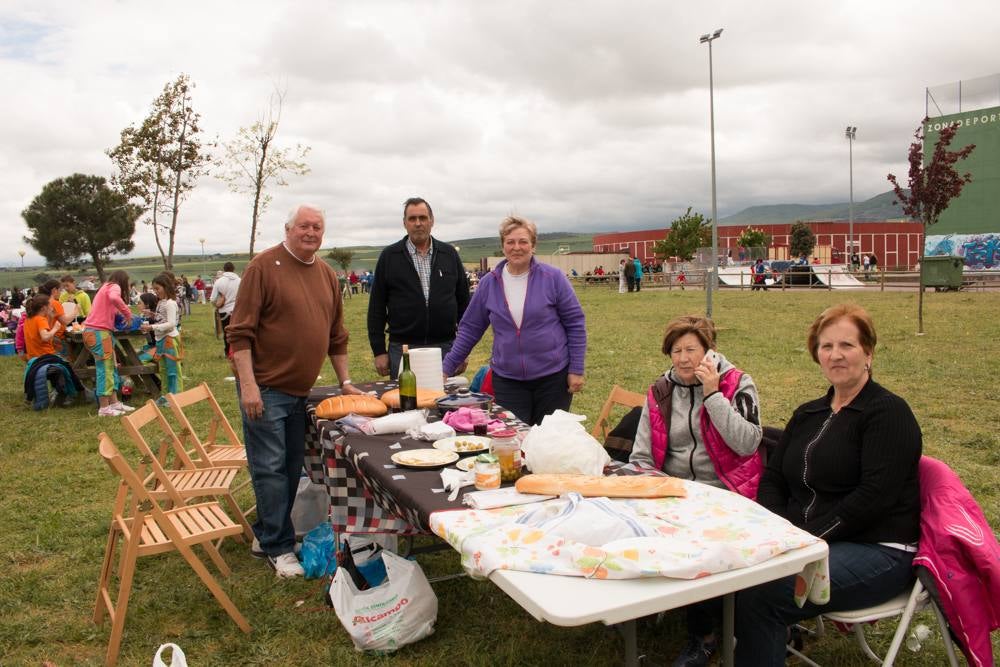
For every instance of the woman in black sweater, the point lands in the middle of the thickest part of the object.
(846, 471)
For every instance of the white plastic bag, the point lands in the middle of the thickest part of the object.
(311, 508)
(560, 444)
(363, 545)
(401, 610)
(177, 658)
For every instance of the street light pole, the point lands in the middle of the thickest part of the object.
(850, 133)
(713, 283)
(21, 253)
(202, 242)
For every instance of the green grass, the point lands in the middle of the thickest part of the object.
(56, 493)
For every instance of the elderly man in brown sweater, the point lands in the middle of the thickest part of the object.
(288, 316)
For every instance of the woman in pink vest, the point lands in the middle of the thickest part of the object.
(701, 422)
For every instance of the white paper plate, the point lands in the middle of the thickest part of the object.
(424, 458)
(466, 464)
(464, 444)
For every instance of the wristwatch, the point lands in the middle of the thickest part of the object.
(347, 381)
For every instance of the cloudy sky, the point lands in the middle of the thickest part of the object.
(582, 115)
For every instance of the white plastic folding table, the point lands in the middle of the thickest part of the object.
(572, 601)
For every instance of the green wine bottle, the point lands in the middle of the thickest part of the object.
(407, 384)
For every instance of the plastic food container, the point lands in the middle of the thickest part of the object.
(487, 472)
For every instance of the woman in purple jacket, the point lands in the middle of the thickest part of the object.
(539, 333)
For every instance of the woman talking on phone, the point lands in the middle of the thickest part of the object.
(701, 421)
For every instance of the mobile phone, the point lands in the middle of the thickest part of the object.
(712, 357)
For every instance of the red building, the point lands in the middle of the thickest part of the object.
(896, 244)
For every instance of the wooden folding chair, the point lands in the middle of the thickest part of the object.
(618, 396)
(146, 529)
(171, 462)
(221, 446)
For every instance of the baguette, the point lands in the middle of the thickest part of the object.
(425, 398)
(638, 486)
(336, 407)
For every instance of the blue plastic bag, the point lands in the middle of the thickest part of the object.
(133, 324)
(319, 557)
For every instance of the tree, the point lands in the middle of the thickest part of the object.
(756, 241)
(159, 162)
(80, 218)
(341, 256)
(252, 160)
(687, 234)
(802, 240)
(932, 186)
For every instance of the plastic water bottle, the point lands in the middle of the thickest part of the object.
(127, 390)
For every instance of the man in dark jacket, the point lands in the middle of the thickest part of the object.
(419, 293)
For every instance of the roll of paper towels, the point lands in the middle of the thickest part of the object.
(425, 362)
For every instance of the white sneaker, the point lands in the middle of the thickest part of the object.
(110, 411)
(257, 552)
(124, 408)
(286, 566)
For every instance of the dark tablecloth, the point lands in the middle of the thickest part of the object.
(371, 494)
(368, 492)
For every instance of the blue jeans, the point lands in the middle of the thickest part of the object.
(275, 444)
(396, 354)
(861, 575)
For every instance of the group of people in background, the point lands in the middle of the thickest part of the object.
(630, 272)
(56, 306)
(867, 263)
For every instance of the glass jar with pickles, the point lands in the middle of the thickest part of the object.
(507, 448)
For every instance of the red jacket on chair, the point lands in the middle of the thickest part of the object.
(960, 551)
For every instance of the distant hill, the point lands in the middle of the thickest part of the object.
(879, 207)
(485, 246)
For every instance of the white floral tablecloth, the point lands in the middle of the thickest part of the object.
(709, 531)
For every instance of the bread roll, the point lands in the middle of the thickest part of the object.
(336, 407)
(425, 398)
(636, 486)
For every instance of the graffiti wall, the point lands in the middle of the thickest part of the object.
(980, 251)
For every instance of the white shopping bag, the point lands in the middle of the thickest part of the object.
(399, 611)
(177, 658)
(560, 444)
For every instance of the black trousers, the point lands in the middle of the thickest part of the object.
(530, 400)
(224, 322)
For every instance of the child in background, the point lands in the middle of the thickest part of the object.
(38, 331)
(148, 302)
(97, 336)
(51, 288)
(78, 296)
(168, 349)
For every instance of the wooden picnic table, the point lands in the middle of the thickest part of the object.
(129, 365)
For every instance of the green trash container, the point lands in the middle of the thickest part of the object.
(942, 272)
